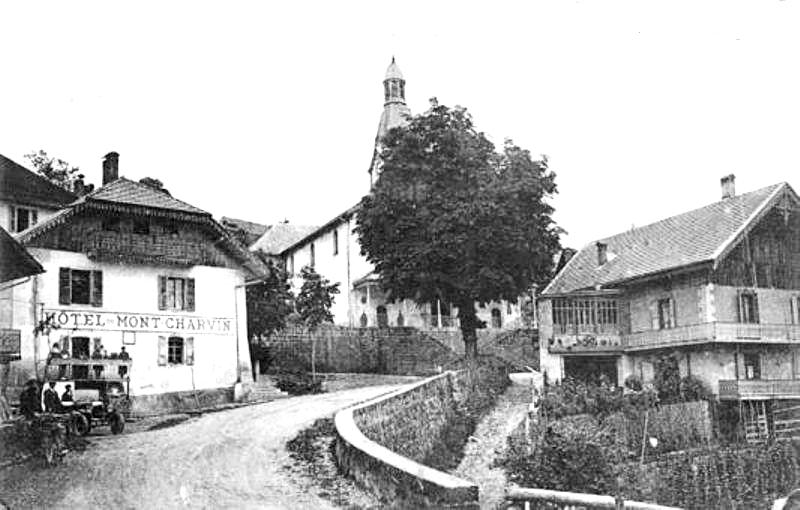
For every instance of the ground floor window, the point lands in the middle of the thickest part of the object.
(175, 350)
(497, 318)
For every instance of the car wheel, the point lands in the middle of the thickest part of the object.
(82, 424)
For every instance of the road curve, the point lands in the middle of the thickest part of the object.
(229, 459)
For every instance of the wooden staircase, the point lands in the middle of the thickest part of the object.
(754, 419)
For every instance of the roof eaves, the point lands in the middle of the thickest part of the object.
(335, 221)
(747, 225)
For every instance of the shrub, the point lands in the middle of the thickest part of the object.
(633, 382)
(576, 454)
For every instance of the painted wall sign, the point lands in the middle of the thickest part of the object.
(9, 344)
(118, 321)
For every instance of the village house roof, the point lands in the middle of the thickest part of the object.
(281, 237)
(125, 195)
(700, 236)
(15, 261)
(318, 231)
(253, 231)
(18, 184)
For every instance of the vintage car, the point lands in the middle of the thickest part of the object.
(100, 390)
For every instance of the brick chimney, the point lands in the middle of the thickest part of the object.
(602, 253)
(728, 186)
(110, 167)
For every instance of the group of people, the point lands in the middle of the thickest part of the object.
(30, 402)
(99, 353)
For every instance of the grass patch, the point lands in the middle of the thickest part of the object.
(313, 453)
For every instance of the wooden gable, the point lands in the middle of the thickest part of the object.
(120, 236)
(767, 256)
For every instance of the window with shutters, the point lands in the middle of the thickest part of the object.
(666, 313)
(80, 287)
(175, 350)
(176, 293)
(748, 307)
(23, 218)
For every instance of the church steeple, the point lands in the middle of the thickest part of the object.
(395, 113)
(394, 86)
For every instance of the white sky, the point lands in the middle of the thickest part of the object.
(268, 110)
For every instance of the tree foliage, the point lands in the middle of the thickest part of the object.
(315, 298)
(55, 170)
(155, 184)
(269, 303)
(453, 219)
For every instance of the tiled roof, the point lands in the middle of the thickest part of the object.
(124, 191)
(280, 237)
(15, 261)
(252, 230)
(689, 238)
(19, 184)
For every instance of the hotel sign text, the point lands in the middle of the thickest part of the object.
(115, 321)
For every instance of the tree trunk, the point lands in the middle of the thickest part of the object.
(469, 325)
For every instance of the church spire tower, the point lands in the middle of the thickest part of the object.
(395, 113)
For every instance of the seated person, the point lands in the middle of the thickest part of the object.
(123, 354)
(52, 404)
(66, 397)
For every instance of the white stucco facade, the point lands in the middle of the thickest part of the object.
(130, 316)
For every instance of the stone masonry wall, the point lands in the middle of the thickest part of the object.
(383, 442)
(403, 351)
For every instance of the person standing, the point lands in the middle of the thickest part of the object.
(52, 403)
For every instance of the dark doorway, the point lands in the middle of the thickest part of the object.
(383, 317)
(591, 369)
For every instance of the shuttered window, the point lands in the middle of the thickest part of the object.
(80, 287)
(748, 307)
(22, 218)
(175, 293)
(666, 313)
(175, 350)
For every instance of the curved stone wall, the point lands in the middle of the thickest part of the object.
(381, 443)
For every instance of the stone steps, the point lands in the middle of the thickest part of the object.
(262, 391)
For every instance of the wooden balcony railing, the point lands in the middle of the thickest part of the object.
(682, 335)
(753, 389)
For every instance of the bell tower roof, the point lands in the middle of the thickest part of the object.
(393, 72)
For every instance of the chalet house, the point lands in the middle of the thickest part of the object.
(130, 266)
(334, 251)
(26, 198)
(717, 288)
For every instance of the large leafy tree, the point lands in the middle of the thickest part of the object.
(453, 219)
(55, 170)
(269, 302)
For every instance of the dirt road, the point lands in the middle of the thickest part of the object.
(230, 459)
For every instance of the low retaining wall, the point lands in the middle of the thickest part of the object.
(179, 401)
(402, 351)
(380, 443)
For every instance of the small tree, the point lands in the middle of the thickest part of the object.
(314, 303)
(55, 170)
(452, 219)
